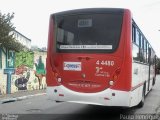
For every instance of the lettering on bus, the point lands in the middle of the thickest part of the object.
(85, 23)
(84, 85)
(105, 62)
(74, 66)
(101, 73)
(89, 47)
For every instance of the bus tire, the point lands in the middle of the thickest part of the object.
(141, 104)
(154, 81)
(58, 101)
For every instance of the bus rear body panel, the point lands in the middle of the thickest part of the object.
(87, 61)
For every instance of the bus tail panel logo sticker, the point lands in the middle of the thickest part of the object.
(73, 66)
(87, 47)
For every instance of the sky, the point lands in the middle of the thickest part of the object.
(32, 16)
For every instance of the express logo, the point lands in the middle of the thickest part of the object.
(75, 66)
(71, 66)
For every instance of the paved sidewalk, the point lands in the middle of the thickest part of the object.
(20, 95)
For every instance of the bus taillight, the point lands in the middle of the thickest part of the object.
(59, 80)
(116, 74)
(111, 83)
(115, 77)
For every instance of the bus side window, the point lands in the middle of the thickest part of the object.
(133, 33)
(137, 37)
(141, 56)
(136, 45)
(152, 57)
(135, 52)
(145, 51)
(147, 54)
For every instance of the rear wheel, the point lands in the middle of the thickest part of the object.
(153, 83)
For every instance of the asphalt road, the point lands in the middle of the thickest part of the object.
(41, 108)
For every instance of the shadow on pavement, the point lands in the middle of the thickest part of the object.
(90, 112)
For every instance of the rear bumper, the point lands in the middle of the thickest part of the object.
(105, 98)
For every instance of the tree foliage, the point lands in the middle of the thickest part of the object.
(6, 35)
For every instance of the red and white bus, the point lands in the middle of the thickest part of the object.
(98, 56)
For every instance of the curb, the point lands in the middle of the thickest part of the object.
(8, 100)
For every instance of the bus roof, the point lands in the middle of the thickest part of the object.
(91, 10)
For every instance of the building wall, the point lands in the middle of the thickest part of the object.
(22, 39)
(24, 75)
(3, 77)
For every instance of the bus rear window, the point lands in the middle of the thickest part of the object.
(88, 32)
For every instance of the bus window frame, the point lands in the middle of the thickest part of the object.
(143, 43)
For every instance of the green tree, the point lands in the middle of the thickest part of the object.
(6, 35)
